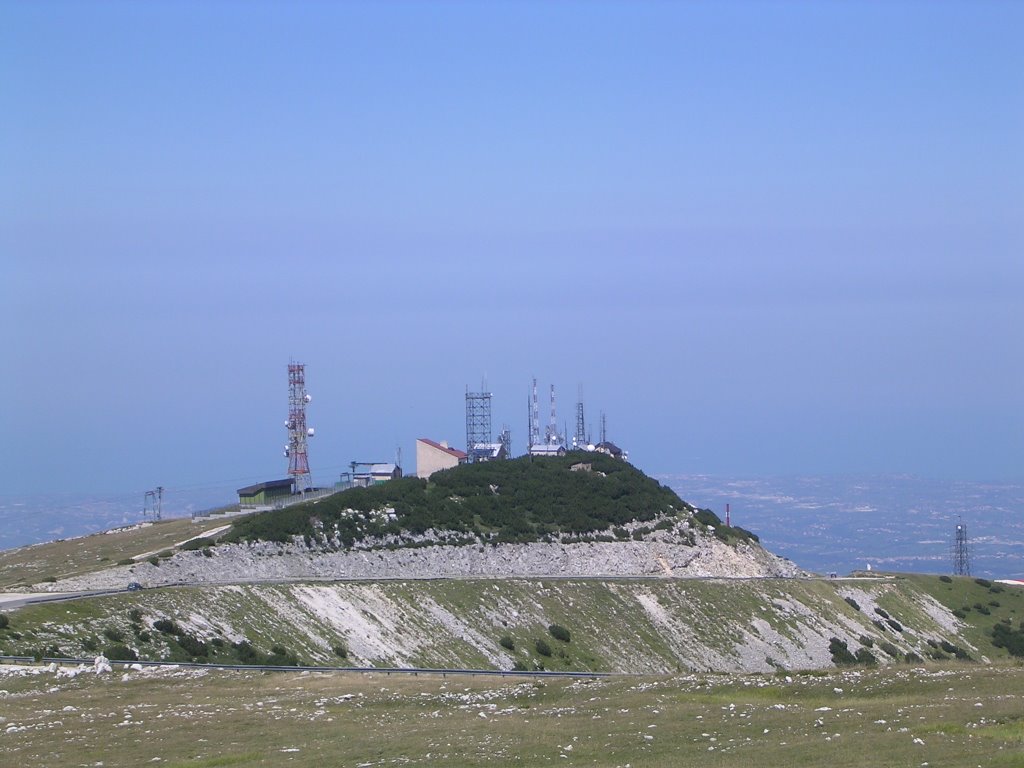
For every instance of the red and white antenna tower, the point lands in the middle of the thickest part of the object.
(295, 450)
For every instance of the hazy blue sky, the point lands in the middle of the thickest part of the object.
(765, 237)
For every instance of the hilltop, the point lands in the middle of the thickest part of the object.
(580, 515)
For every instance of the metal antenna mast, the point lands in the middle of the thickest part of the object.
(604, 427)
(505, 438)
(552, 437)
(153, 503)
(478, 421)
(580, 441)
(296, 450)
(534, 418)
(961, 551)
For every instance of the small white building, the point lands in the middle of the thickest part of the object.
(489, 452)
(549, 449)
(375, 474)
(432, 457)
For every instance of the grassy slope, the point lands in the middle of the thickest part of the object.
(71, 557)
(953, 715)
(626, 625)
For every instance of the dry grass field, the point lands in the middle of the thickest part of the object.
(946, 715)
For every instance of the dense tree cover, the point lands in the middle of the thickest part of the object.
(519, 500)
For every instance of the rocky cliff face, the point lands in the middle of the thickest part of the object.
(667, 553)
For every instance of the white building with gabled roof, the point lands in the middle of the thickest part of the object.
(432, 457)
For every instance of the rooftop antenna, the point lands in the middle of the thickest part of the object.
(478, 420)
(296, 450)
(961, 551)
(505, 438)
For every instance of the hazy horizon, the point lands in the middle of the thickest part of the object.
(765, 238)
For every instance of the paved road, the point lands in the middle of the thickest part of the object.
(12, 600)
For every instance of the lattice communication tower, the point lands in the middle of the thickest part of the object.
(961, 551)
(580, 440)
(551, 435)
(533, 428)
(296, 449)
(478, 422)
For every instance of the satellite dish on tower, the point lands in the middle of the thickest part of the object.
(310, 432)
(309, 398)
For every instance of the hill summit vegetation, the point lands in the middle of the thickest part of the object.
(521, 500)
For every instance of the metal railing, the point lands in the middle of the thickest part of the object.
(415, 671)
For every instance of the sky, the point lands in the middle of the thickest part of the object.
(762, 237)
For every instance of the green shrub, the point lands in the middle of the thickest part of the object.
(912, 658)
(90, 644)
(49, 579)
(5, 622)
(983, 583)
(341, 651)
(507, 642)
(959, 614)
(840, 652)
(881, 612)
(281, 657)
(166, 626)
(135, 615)
(945, 579)
(956, 650)
(1004, 636)
(867, 641)
(894, 624)
(120, 653)
(154, 560)
(113, 634)
(542, 647)
(126, 561)
(196, 544)
(559, 632)
(864, 656)
(890, 649)
(193, 646)
(852, 603)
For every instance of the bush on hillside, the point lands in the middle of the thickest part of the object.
(5, 622)
(945, 579)
(559, 632)
(166, 626)
(191, 546)
(864, 656)
(840, 652)
(507, 642)
(120, 652)
(1004, 636)
(542, 647)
